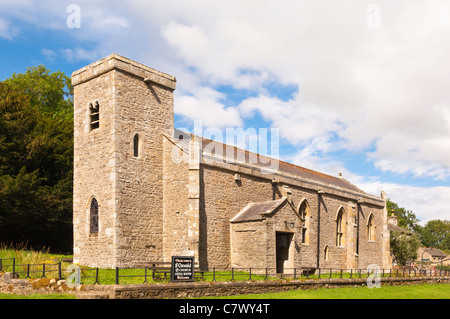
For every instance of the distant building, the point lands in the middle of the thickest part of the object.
(432, 255)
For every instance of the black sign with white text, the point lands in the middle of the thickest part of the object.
(182, 269)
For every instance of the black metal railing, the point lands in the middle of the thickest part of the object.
(160, 272)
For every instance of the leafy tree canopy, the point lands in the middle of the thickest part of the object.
(406, 218)
(436, 233)
(36, 158)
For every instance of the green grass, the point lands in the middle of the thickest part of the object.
(417, 291)
(37, 296)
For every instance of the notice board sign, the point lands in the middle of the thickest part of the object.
(182, 268)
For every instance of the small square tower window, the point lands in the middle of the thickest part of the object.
(94, 113)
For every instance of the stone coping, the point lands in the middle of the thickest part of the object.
(200, 289)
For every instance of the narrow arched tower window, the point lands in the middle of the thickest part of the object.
(94, 216)
(94, 113)
(370, 229)
(136, 145)
(325, 253)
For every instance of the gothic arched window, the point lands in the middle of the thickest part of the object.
(340, 228)
(94, 216)
(305, 216)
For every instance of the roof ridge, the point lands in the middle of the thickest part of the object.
(341, 179)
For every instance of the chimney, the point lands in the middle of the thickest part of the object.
(393, 219)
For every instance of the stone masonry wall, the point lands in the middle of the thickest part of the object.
(223, 198)
(147, 110)
(175, 201)
(133, 99)
(94, 173)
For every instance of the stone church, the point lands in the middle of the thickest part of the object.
(144, 192)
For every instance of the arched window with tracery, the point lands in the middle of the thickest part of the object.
(305, 215)
(340, 228)
(93, 216)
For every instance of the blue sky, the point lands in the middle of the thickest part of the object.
(358, 87)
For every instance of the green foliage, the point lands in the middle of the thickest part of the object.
(406, 218)
(36, 156)
(436, 233)
(404, 247)
(51, 92)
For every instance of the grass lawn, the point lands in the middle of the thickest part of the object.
(417, 291)
(37, 296)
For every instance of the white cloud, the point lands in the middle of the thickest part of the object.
(77, 54)
(48, 54)
(206, 106)
(427, 203)
(381, 91)
(382, 88)
(6, 30)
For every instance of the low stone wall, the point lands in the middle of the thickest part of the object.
(200, 289)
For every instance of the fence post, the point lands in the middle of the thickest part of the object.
(96, 277)
(1, 264)
(250, 274)
(28, 271)
(59, 271)
(43, 270)
(214, 274)
(117, 275)
(232, 274)
(266, 274)
(14, 268)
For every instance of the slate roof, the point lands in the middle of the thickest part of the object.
(283, 167)
(255, 211)
(435, 252)
(396, 228)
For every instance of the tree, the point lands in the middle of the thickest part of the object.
(404, 247)
(52, 93)
(406, 218)
(36, 156)
(436, 233)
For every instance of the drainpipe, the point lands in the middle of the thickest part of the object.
(319, 197)
(358, 205)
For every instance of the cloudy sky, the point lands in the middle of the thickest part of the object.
(358, 87)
